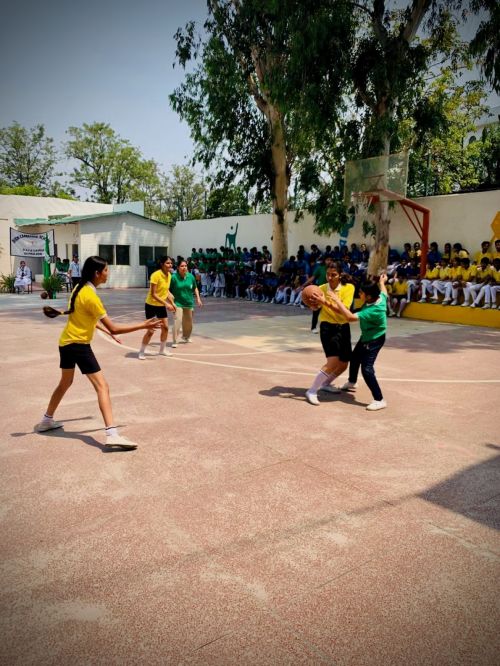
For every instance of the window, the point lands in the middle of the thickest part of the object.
(145, 254)
(122, 255)
(160, 252)
(107, 253)
(75, 250)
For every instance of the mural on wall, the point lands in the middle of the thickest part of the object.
(230, 241)
(344, 232)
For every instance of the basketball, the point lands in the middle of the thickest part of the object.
(44, 295)
(308, 295)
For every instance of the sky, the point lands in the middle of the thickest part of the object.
(64, 63)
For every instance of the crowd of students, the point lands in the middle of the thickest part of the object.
(452, 277)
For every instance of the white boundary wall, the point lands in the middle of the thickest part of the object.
(455, 218)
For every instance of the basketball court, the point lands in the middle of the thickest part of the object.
(250, 527)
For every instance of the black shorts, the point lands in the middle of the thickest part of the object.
(80, 355)
(158, 311)
(336, 340)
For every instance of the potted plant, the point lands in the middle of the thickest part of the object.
(7, 283)
(52, 284)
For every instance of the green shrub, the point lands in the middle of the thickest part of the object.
(52, 284)
(7, 283)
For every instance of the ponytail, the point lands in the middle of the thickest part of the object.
(91, 266)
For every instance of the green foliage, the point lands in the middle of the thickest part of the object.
(110, 166)
(27, 157)
(227, 201)
(52, 284)
(7, 283)
(22, 190)
(486, 42)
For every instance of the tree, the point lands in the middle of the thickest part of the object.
(184, 194)
(486, 42)
(442, 160)
(109, 166)
(227, 201)
(247, 102)
(27, 157)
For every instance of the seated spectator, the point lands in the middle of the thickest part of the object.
(416, 251)
(496, 253)
(467, 280)
(399, 291)
(220, 285)
(355, 253)
(315, 253)
(61, 270)
(336, 253)
(440, 283)
(431, 274)
(485, 251)
(407, 252)
(290, 266)
(479, 289)
(297, 286)
(412, 278)
(270, 286)
(282, 290)
(434, 255)
(447, 252)
(459, 251)
(453, 283)
(494, 283)
(23, 277)
(365, 253)
(393, 256)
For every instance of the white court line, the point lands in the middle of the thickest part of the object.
(278, 371)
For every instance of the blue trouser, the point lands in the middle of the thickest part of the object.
(364, 355)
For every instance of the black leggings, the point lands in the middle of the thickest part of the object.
(364, 355)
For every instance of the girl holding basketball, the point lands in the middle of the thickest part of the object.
(334, 329)
(85, 311)
(373, 323)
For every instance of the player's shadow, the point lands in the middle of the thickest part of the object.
(86, 439)
(295, 393)
(31, 432)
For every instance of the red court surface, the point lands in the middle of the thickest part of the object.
(250, 527)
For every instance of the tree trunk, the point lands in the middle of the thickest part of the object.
(379, 252)
(279, 190)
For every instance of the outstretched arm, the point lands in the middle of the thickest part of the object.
(114, 328)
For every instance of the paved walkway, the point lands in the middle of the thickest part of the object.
(250, 527)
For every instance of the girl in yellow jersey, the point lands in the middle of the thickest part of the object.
(85, 311)
(158, 301)
(335, 332)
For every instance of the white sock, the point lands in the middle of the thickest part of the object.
(111, 431)
(142, 349)
(162, 346)
(329, 379)
(319, 381)
(47, 418)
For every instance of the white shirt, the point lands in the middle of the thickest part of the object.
(74, 270)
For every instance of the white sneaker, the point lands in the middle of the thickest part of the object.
(314, 330)
(174, 344)
(486, 306)
(472, 305)
(445, 302)
(349, 386)
(423, 300)
(186, 340)
(43, 426)
(312, 398)
(330, 389)
(141, 356)
(119, 441)
(464, 305)
(494, 307)
(165, 352)
(376, 405)
(454, 303)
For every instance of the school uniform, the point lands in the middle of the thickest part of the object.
(152, 307)
(431, 274)
(439, 285)
(74, 343)
(335, 332)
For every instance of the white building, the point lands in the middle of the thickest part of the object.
(121, 235)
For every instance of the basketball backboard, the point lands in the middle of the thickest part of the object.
(385, 175)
